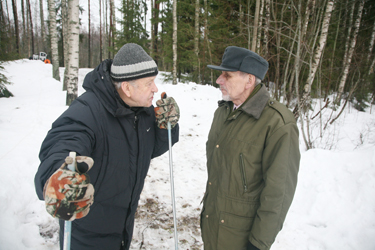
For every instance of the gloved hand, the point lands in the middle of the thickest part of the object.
(167, 110)
(68, 195)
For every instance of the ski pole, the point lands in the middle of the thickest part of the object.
(172, 185)
(163, 96)
(68, 224)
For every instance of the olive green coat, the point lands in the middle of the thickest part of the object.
(252, 162)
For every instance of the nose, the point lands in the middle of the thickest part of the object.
(220, 79)
(154, 88)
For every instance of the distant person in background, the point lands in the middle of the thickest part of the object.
(252, 159)
(115, 132)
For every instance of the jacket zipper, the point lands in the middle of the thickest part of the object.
(243, 173)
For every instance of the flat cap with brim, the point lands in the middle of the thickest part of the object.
(241, 59)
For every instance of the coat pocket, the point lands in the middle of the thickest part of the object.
(234, 231)
(243, 173)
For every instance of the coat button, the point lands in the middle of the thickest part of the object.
(217, 146)
(271, 102)
(222, 221)
(209, 183)
(207, 216)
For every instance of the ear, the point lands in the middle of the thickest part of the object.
(250, 81)
(126, 87)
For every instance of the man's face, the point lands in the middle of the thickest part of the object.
(142, 93)
(233, 86)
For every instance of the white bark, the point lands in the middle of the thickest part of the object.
(350, 52)
(260, 25)
(256, 23)
(54, 40)
(266, 27)
(174, 46)
(72, 86)
(196, 41)
(42, 24)
(66, 34)
(349, 33)
(371, 45)
(320, 48)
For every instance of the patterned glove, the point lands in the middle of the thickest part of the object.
(167, 110)
(68, 195)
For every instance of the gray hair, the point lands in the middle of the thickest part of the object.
(257, 79)
(118, 84)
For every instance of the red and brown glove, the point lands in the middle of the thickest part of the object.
(68, 195)
(167, 110)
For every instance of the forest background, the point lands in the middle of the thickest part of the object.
(317, 49)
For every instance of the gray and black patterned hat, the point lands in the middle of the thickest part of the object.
(131, 62)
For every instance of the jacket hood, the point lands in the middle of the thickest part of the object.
(100, 82)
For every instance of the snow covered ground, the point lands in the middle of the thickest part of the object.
(334, 205)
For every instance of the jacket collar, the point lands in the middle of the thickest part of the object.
(255, 105)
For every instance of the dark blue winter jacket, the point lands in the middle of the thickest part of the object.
(122, 142)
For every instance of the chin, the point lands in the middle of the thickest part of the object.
(226, 98)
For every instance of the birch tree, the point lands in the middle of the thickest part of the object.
(371, 44)
(72, 86)
(89, 35)
(31, 26)
(256, 23)
(318, 53)
(16, 29)
(42, 32)
(54, 40)
(174, 47)
(196, 41)
(66, 43)
(350, 53)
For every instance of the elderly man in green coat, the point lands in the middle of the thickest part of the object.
(252, 159)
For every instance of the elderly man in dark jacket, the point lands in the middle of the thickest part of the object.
(115, 132)
(252, 159)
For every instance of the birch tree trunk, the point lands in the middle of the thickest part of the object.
(266, 28)
(318, 51)
(256, 23)
(72, 87)
(351, 17)
(89, 40)
(66, 44)
(16, 29)
(248, 26)
(152, 30)
(24, 34)
(31, 26)
(206, 38)
(54, 40)
(371, 45)
(174, 42)
(196, 42)
(260, 25)
(100, 32)
(42, 32)
(113, 16)
(350, 53)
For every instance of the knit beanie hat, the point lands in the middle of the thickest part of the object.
(131, 62)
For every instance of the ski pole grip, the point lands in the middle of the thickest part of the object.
(72, 166)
